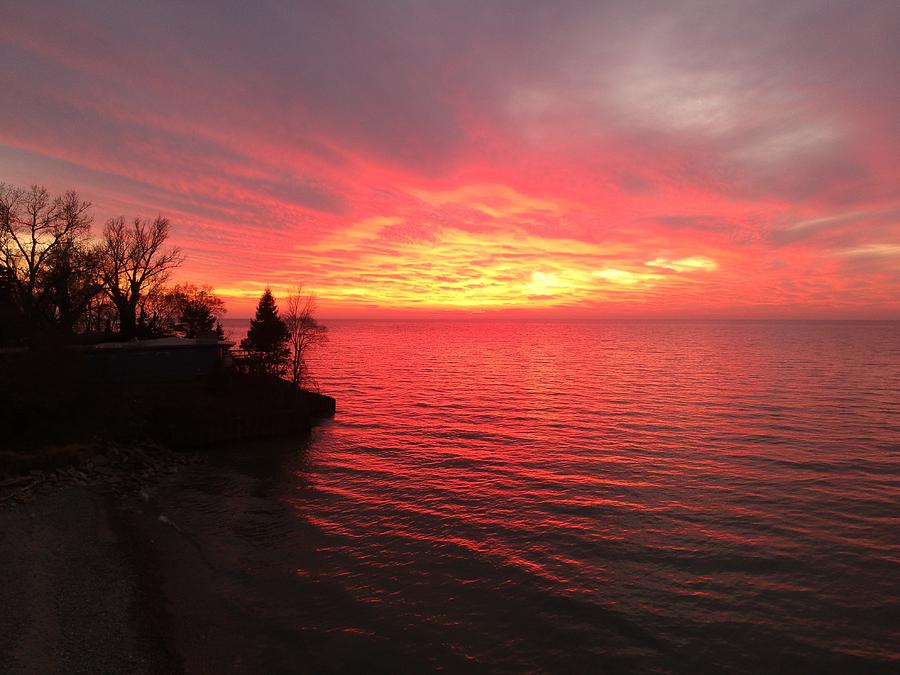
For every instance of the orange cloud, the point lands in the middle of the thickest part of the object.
(655, 162)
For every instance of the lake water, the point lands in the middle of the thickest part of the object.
(575, 497)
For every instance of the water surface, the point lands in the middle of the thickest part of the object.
(648, 496)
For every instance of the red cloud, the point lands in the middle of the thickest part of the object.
(464, 157)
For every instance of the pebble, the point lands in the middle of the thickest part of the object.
(116, 470)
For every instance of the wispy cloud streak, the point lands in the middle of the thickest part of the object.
(702, 158)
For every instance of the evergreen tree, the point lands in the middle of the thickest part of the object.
(267, 339)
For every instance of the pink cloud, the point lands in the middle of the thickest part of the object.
(536, 158)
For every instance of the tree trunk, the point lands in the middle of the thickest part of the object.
(127, 320)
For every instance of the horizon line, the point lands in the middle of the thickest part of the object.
(507, 319)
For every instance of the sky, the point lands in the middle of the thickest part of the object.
(533, 159)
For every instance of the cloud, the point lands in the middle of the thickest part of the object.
(874, 251)
(423, 153)
(696, 263)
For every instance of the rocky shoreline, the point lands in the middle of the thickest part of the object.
(117, 566)
(107, 469)
(97, 577)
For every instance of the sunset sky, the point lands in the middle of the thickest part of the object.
(521, 158)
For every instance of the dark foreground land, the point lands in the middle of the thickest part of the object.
(102, 575)
(98, 579)
(94, 573)
(97, 584)
(77, 595)
(94, 577)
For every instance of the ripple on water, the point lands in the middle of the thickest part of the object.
(574, 496)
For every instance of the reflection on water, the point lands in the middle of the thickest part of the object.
(574, 496)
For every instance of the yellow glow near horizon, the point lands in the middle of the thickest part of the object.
(489, 267)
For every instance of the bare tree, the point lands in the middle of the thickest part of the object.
(100, 315)
(47, 265)
(304, 333)
(134, 266)
(42, 239)
(71, 283)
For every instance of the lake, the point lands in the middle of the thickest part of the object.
(573, 497)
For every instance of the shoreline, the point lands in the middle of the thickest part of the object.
(131, 582)
(107, 582)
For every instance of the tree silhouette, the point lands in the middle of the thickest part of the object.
(304, 334)
(267, 339)
(58, 285)
(198, 310)
(43, 245)
(71, 283)
(12, 328)
(134, 267)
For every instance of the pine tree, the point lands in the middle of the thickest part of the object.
(267, 339)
